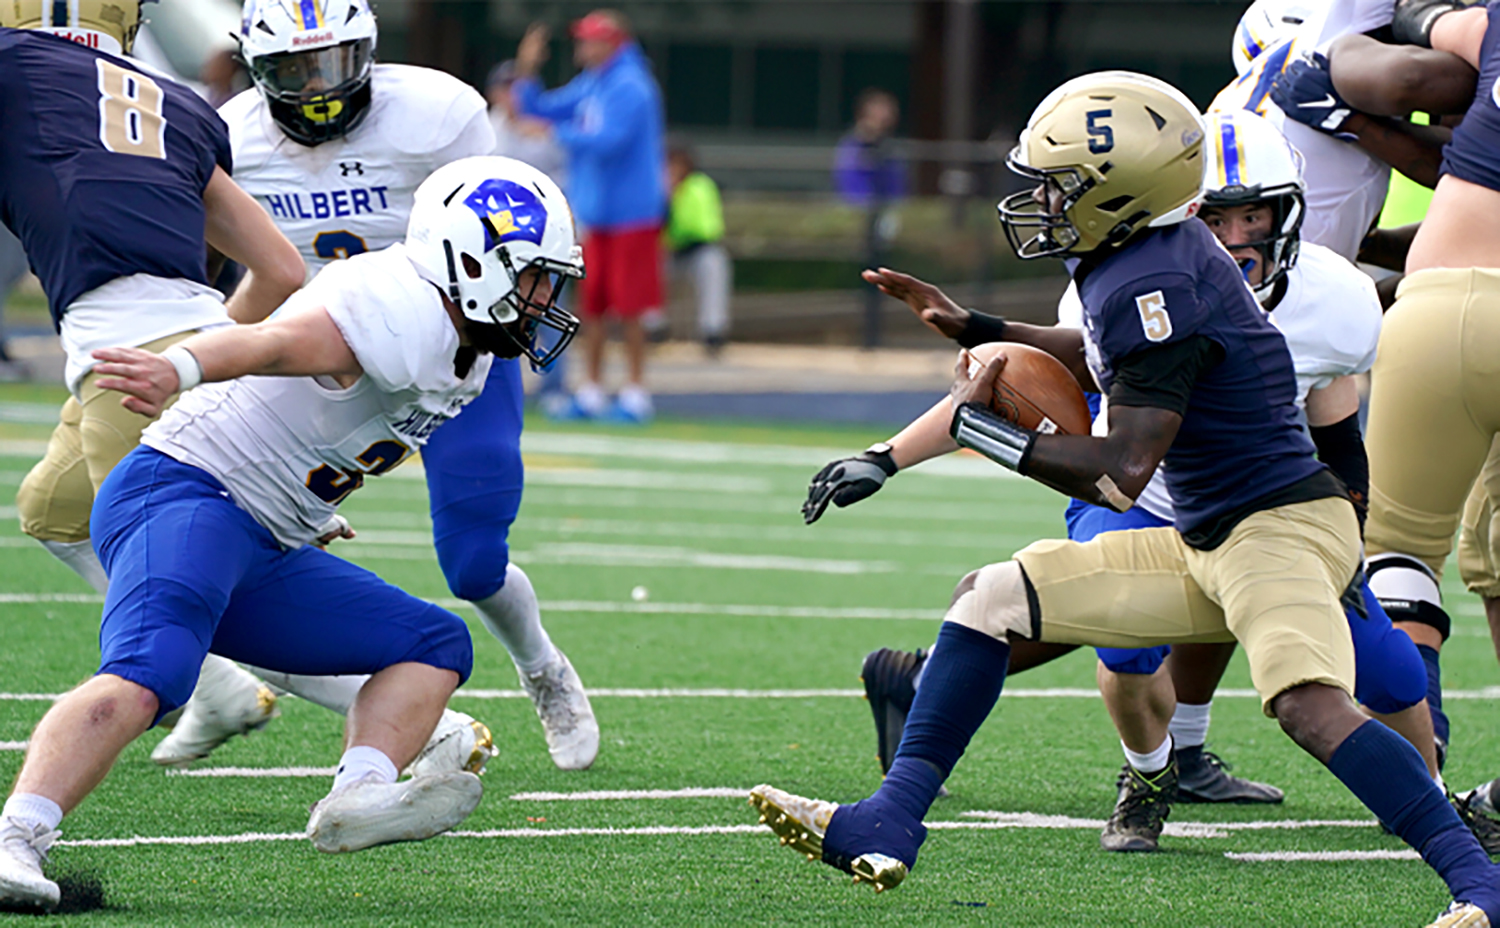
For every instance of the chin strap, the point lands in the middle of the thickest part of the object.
(978, 428)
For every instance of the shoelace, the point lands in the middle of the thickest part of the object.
(38, 838)
(1143, 805)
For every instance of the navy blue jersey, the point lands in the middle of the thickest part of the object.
(1473, 154)
(103, 167)
(1240, 438)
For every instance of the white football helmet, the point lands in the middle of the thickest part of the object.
(1250, 161)
(1268, 22)
(476, 225)
(311, 60)
(107, 25)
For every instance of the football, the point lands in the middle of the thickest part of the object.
(1035, 391)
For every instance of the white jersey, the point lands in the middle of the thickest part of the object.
(1346, 185)
(1330, 317)
(289, 449)
(352, 195)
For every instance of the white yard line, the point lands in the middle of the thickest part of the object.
(605, 795)
(1322, 856)
(12, 745)
(256, 772)
(599, 555)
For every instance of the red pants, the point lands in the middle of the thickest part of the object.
(622, 272)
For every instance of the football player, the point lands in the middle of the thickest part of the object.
(334, 146)
(1328, 313)
(1199, 379)
(113, 176)
(207, 529)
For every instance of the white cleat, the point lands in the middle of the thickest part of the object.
(23, 850)
(367, 812)
(460, 742)
(567, 718)
(1462, 915)
(236, 704)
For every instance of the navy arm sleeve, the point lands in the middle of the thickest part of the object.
(1163, 377)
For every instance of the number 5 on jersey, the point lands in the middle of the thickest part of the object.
(1154, 319)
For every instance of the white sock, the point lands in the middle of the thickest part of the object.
(514, 617)
(591, 398)
(635, 399)
(334, 693)
(1189, 725)
(80, 557)
(1150, 763)
(32, 810)
(361, 761)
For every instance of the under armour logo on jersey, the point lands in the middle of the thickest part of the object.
(351, 166)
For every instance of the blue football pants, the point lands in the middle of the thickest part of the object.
(191, 572)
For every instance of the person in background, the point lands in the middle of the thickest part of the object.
(695, 238)
(222, 77)
(521, 137)
(609, 121)
(865, 172)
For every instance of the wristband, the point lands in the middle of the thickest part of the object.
(189, 371)
(1413, 19)
(981, 329)
(977, 428)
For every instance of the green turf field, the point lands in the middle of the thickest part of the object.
(746, 604)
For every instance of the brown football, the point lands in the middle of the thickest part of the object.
(1035, 391)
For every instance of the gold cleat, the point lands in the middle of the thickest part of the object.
(881, 871)
(800, 823)
(484, 748)
(1462, 915)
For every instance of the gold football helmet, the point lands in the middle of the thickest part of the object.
(1114, 152)
(108, 25)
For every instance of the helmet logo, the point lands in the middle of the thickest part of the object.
(298, 40)
(323, 110)
(509, 211)
(1101, 136)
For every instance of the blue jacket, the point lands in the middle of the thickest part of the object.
(610, 121)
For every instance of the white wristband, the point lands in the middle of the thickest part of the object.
(189, 371)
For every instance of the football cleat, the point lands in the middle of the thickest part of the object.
(1474, 810)
(367, 812)
(1462, 915)
(802, 824)
(1141, 809)
(23, 850)
(890, 686)
(567, 718)
(234, 703)
(1202, 776)
(460, 742)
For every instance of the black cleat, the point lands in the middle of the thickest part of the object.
(1203, 777)
(1485, 828)
(1141, 809)
(890, 686)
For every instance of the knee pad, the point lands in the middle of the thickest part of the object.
(1001, 603)
(1408, 591)
(54, 501)
(474, 564)
(1143, 661)
(445, 644)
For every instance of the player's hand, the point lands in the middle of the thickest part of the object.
(532, 53)
(1305, 93)
(846, 482)
(147, 379)
(931, 305)
(334, 529)
(981, 386)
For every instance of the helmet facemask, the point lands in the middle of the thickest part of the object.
(1043, 208)
(1280, 248)
(517, 319)
(318, 95)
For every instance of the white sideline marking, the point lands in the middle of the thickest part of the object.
(1000, 820)
(256, 772)
(12, 745)
(51, 597)
(704, 792)
(1323, 856)
(596, 555)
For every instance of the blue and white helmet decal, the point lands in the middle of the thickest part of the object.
(510, 212)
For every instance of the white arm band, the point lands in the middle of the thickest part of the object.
(979, 429)
(189, 371)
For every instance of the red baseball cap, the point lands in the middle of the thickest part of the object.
(598, 26)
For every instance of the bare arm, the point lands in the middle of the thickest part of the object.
(240, 229)
(1396, 80)
(1416, 151)
(1387, 248)
(301, 343)
(1333, 403)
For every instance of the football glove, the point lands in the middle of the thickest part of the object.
(847, 481)
(1305, 93)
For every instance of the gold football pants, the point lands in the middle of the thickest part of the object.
(1434, 409)
(93, 433)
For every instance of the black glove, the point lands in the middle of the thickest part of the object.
(1304, 91)
(848, 481)
(1413, 19)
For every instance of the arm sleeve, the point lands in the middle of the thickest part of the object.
(554, 105)
(1163, 377)
(1343, 450)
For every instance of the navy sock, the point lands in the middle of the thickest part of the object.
(1435, 691)
(1388, 776)
(960, 684)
